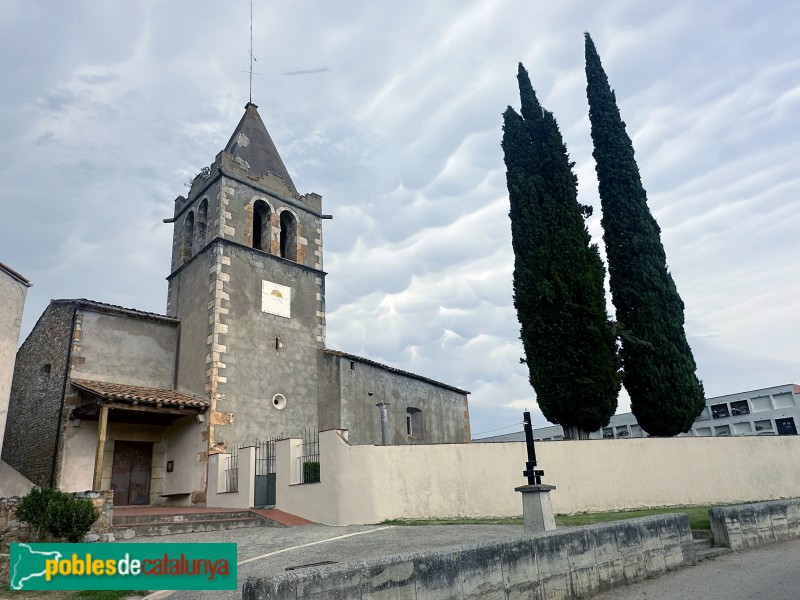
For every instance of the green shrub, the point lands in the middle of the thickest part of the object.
(35, 506)
(311, 472)
(59, 513)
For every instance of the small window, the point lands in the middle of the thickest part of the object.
(703, 431)
(622, 431)
(414, 423)
(608, 433)
(45, 370)
(352, 365)
(718, 411)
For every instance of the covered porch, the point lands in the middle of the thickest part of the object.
(144, 444)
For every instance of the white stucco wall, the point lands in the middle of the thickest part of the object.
(368, 484)
(12, 299)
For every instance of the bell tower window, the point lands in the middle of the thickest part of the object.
(187, 237)
(288, 236)
(200, 227)
(261, 226)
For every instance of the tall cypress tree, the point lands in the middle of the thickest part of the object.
(558, 275)
(659, 369)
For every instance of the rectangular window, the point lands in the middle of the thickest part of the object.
(718, 411)
(740, 408)
(783, 400)
(765, 425)
(723, 430)
(761, 403)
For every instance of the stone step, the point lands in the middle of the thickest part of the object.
(179, 517)
(703, 544)
(213, 523)
(711, 552)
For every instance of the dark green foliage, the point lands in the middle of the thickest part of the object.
(558, 275)
(59, 513)
(666, 395)
(311, 472)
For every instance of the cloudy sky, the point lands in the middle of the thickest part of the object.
(392, 112)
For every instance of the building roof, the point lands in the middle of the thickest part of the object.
(372, 363)
(140, 395)
(251, 142)
(15, 275)
(115, 309)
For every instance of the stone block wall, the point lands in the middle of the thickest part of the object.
(571, 563)
(36, 395)
(748, 525)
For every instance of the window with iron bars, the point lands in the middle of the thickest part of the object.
(232, 471)
(309, 457)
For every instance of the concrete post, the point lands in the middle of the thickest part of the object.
(537, 511)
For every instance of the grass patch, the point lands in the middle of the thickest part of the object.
(698, 518)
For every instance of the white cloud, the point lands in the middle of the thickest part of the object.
(400, 131)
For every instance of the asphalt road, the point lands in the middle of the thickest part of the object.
(266, 550)
(771, 572)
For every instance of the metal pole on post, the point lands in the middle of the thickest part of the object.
(537, 511)
(534, 476)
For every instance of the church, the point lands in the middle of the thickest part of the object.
(111, 398)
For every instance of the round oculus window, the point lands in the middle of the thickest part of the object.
(279, 401)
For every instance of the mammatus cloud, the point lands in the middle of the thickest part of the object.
(401, 135)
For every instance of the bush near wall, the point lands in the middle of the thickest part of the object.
(13, 530)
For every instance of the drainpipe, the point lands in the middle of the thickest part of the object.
(384, 422)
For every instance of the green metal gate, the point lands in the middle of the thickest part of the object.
(265, 473)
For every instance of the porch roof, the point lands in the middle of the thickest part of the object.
(129, 396)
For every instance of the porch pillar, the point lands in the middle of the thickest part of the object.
(102, 426)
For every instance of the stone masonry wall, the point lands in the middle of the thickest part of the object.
(575, 562)
(35, 401)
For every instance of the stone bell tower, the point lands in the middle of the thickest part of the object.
(247, 285)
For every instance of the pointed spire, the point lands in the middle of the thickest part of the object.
(253, 148)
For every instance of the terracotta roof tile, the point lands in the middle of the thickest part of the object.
(135, 393)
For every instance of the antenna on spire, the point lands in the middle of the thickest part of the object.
(252, 58)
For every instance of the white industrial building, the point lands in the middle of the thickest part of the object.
(768, 411)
